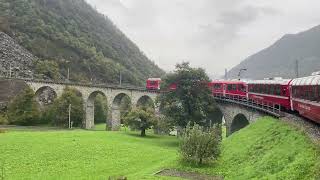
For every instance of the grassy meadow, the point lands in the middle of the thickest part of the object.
(268, 149)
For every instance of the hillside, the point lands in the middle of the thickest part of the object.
(70, 33)
(267, 149)
(279, 60)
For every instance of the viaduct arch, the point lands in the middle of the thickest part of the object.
(46, 92)
(237, 116)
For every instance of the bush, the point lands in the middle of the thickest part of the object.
(3, 119)
(24, 109)
(100, 109)
(58, 112)
(199, 144)
(163, 125)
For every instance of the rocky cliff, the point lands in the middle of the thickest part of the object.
(14, 57)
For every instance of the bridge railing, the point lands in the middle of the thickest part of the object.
(261, 105)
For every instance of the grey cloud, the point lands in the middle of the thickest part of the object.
(213, 34)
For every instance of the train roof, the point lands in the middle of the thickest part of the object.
(310, 80)
(227, 82)
(275, 81)
(154, 79)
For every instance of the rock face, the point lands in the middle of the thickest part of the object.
(14, 56)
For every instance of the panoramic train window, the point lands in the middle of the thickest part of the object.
(271, 89)
(314, 93)
(229, 87)
(278, 90)
(242, 88)
(250, 88)
(260, 88)
(153, 83)
(217, 86)
(318, 90)
(234, 87)
(256, 88)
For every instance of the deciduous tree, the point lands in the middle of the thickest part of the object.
(140, 119)
(24, 109)
(191, 101)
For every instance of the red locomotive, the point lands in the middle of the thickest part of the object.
(274, 91)
(153, 84)
(305, 97)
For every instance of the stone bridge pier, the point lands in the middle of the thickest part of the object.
(237, 116)
(46, 92)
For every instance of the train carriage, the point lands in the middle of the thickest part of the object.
(275, 91)
(305, 97)
(229, 88)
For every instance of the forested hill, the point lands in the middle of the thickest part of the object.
(70, 33)
(279, 60)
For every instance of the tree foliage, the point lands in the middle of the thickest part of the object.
(191, 101)
(24, 109)
(58, 112)
(140, 119)
(199, 144)
(47, 70)
(100, 109)
(75, 35)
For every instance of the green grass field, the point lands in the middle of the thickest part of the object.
(83, 154)
(268, 149)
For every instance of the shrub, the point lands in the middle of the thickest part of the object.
(163, 125)
(3, 119)
(199, 144)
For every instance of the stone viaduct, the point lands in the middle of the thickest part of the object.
(235, 113)
(113, 94)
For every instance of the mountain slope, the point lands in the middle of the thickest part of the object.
(72, 34)
(279, 60)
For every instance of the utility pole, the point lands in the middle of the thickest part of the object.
(10, 70)
(297, 68)
(69, 116)
(120, 78)
(68, 76)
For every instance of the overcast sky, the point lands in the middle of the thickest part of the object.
(213, 34)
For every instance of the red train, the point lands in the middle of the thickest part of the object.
(305, 97)
(270, 91)
(300, 95)
(229, 88)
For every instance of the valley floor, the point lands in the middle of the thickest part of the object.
(268, 149)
